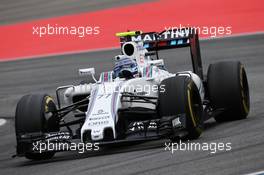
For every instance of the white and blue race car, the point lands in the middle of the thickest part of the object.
(138, 100)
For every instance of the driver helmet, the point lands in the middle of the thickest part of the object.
(126, 68)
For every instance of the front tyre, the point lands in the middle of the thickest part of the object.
(181, 96)
(35, 114)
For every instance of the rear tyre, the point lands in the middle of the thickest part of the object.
(228, 90)
(181, 96)
(35, 114)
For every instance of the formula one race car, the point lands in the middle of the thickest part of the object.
(138, 100)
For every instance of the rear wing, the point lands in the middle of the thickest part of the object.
(168, 39)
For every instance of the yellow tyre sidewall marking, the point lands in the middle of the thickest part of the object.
(48, 99)
(242, 93)
(189, 103)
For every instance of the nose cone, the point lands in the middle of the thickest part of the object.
(101, 115)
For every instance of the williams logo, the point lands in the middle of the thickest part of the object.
(100, 112)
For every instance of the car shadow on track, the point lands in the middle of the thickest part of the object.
(114, 149)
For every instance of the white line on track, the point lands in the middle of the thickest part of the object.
(257, 173)
(2, 121)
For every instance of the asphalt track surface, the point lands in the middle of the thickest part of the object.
(45, 74)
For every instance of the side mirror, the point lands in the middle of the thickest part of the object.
(88, 72)
(157, 62)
